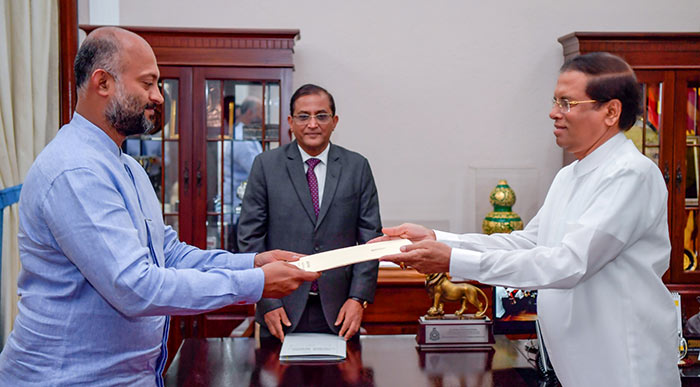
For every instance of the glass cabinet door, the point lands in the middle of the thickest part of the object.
(242, 119)
(687, 121)
(646, 132)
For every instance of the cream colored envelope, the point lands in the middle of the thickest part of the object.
(350, 255)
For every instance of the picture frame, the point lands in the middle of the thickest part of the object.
(514, 310)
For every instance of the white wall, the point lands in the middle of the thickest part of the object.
(443, 97)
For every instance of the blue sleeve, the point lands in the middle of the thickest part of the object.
(180, 255)
(87, 216)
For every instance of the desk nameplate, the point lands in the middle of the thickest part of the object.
(453, 332)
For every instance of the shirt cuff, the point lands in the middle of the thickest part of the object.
(442, 236)
(248, 258)
(465, 264)
(257, 285)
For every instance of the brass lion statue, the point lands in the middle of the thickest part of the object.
(441, 289)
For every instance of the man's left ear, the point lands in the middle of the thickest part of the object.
(612, 112)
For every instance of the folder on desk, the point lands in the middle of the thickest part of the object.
(312, 347)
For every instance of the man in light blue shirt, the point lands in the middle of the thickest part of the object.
(100, 270)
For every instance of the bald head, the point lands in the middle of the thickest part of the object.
(105, 48)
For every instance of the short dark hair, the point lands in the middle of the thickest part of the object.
(96, 53)
(610, 77)
(309, 89)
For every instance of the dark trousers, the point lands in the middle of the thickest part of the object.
(312, 320)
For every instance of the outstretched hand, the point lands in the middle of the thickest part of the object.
(281, 278)
(427, 256)
(410, 231)
(266, 257)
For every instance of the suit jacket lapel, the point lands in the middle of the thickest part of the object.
(333, 170)
(298, 179)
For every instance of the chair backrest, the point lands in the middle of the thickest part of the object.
(8, 197)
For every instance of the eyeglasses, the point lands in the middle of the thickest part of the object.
(321, 118)
(565, 105)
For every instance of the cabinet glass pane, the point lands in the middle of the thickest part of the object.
(692, 109)
(171, 199)
(212, 93)
(214, 159)
(646, 131)
(692, 141)
(236, 131)
(692, 178)
(272, 112)
(173, 221)
(690, 239)
(171, 152)
(146, 149)
(170, 108)
(213, 232)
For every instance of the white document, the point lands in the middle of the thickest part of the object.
(350, 255)
(312, 347)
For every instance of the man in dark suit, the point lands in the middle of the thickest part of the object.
(311, 196)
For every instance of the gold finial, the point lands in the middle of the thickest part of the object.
(502, 219)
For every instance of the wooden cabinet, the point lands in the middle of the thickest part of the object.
(225, 94)
(668, 68)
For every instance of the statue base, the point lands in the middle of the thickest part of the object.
(452, 332)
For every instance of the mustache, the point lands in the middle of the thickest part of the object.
(151, 105)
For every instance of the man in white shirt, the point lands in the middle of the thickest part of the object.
(596, 249)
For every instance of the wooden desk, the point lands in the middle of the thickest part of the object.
(380, 360)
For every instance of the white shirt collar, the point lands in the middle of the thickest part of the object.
(599, 155)
(323, 156)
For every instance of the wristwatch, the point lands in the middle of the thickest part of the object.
(361, 301)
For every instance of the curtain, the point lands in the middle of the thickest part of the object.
(29, 116)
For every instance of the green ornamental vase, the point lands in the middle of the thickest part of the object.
(502, 219)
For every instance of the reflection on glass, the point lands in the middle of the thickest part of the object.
(692, 109)
(692, 188)
(173, 221)
(272, 112)
(170, 108)
(212, 91)
(690, 252)
(241, 116)
(213, 233)
(171, 177)
(147, 151)
(645, 131)
(248, 122)
(653, 154)
(691, 176)
(214, 149)
(243, 134)
(652, 112)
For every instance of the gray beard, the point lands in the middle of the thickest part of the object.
(127, 116)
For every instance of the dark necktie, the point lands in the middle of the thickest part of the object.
(313, 190)
(313, 183)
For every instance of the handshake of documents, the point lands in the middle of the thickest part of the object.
(350, 255)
